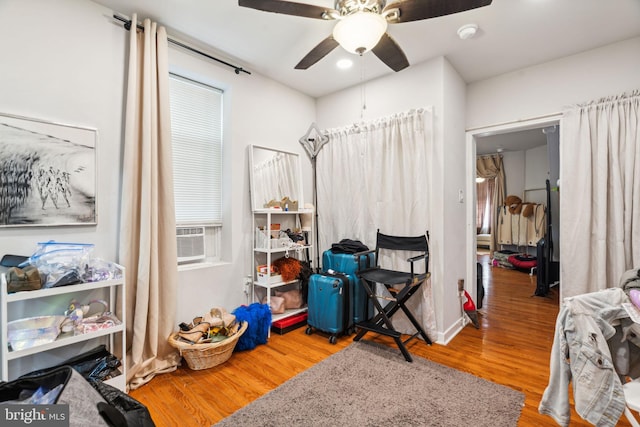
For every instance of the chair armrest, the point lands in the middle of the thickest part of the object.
(416, 258)
(357, 255)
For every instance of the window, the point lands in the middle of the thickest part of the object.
(196, 132)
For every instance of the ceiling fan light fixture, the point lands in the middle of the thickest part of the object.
(360, 32)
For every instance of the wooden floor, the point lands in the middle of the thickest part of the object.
(512, 348)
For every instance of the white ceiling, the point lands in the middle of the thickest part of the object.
(513, 34)
(511, 141)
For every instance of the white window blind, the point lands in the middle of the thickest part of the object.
(196, 133)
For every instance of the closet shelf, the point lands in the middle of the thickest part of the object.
(288, 313)
(40, 293)
(48, 302)
(264, 256)
(64, 339)
(283, 249)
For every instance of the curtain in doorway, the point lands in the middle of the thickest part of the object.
(491, 168)
(375, 175)
(148, 227)
(599, 193)
(484, 209)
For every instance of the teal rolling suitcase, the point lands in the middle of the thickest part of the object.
(328, 306)
(345, 263)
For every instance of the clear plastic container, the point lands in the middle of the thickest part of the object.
(33, 331)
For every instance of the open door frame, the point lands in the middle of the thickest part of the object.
(471, 135)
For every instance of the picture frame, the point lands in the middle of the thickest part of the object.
(47, 173)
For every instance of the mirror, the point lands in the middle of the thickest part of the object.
(274, 175)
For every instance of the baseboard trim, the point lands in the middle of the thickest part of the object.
(445, 337)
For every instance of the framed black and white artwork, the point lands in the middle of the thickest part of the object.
(47, 173)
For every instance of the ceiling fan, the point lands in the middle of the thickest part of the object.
(362, 24)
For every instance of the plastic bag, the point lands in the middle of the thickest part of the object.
(96, 270)
(61, 251)
(60, 263)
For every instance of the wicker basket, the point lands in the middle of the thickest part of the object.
(207, 355)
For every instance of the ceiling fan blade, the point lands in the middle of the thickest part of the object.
(415, 10)
(317, 53)
(390, 53)
(289, 8)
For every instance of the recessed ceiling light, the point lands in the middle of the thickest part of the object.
(344, 64)
(467, 31)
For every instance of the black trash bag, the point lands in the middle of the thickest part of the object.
(95, 364)
(122, 409)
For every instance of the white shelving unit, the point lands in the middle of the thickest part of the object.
(48, 302)
(265, 255)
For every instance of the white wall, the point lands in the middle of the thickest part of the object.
(526, 169)
(514, 164)
(548, 88)
(452, 184)
(415, 87)
(65, 61)
(536, 172)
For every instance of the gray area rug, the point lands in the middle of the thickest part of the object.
(366, 384)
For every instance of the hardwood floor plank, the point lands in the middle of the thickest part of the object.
(512, 347)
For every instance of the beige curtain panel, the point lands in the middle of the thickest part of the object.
(599, 193)
(147, 233)
(490, 167)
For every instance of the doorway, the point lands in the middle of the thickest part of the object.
(514, 142)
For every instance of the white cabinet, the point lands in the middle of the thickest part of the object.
(54, 301)
(267, 249)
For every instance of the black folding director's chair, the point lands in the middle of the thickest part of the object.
(400, 284)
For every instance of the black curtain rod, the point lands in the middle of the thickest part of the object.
(127, 26)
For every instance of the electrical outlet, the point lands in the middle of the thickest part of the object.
(460, 196)
(248, 281)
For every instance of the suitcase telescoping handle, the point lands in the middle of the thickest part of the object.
(336, 282)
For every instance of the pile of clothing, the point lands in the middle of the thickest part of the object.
(514, 260)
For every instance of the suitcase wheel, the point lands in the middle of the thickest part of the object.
(332, 339)
(308, 331)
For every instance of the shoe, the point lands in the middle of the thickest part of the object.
(195, 334)
(219, 317)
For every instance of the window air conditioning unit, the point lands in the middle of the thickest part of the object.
(190, 244)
